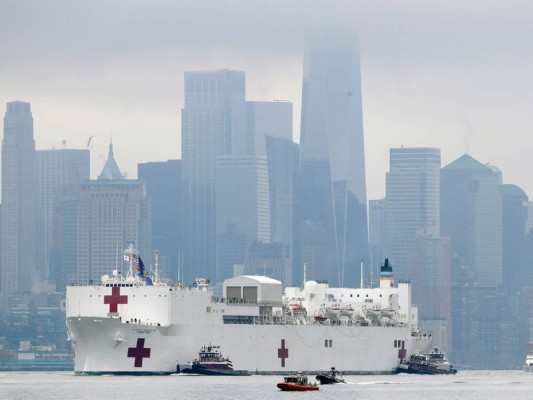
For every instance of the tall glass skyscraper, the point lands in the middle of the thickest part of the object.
(212, 125)
(19, 202)
(413, 203)
(333, 186)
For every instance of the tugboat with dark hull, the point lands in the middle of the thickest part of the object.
(211, 362)
(432, 363)
(330, 377)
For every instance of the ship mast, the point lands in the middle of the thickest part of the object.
(362, 274)
(156, 277)
(129, 253)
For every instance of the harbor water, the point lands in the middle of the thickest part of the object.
(486, 385)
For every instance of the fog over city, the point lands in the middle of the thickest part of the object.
(451, 74)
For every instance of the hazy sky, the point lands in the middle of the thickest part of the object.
(451, 74)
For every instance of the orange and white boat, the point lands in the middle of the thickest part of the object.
(297, 383)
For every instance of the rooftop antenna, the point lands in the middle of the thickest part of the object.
(89, 142)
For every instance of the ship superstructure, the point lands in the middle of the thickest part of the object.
(139, 324)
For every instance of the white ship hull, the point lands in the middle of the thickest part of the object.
(102, 346)
(124, 327)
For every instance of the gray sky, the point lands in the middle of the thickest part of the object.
(451, 74)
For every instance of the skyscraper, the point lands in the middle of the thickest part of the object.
(163, 184)
(269, 131)
(412, 205)
(412, 235)
(242, 210)
(514, 217)
(283, 166)
(333, 186)
(19, 202)
(212, 125)
(55, 170)
(267, 118)
(471, 215)
(113, 212)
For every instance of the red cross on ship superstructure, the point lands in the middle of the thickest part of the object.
(139, 352)
(283, 353)
(115, 299)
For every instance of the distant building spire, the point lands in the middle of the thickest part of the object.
(110, 170)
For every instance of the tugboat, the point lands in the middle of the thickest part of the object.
(211, 362)
(297, 383)
(432, 363)
(332, 376)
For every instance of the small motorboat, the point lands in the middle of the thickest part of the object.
(297, 383)
(332, 376)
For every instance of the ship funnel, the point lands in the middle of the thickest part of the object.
(385, 276)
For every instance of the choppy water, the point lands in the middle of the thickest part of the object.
(486, 385)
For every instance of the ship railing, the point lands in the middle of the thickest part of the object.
(246, 302)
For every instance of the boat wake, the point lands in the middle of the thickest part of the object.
(387, 383)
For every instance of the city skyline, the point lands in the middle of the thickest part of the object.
(423, 83)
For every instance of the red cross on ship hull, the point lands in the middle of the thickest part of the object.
(283, 353)
(139, 352)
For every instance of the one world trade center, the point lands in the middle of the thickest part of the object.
(334, 233)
